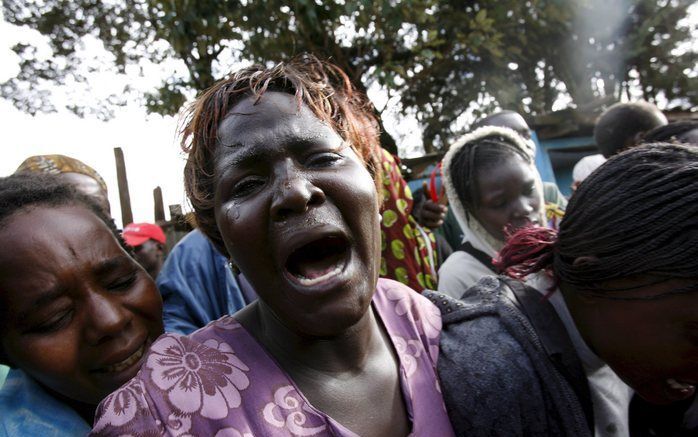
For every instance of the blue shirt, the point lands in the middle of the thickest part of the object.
(26, 409)
(197, 285)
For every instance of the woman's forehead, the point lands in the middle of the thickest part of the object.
(46, 231)
(274, 114)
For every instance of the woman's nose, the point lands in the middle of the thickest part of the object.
(108, 317)
(523, 207)
(294, 194)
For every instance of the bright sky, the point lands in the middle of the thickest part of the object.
(148, 141)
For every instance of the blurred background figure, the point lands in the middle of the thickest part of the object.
(684, 131)
(584, 168)
(73, 171)
(197, 285)
(148, 242)
(409, 252)
(622, 125)
(515, 121)
(493, 187)
(511, 119)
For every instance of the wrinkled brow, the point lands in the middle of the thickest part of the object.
(109, 265)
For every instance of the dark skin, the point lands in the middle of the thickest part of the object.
(429, 213)
(511, 120)
(332, 375)
(651, 344)
(150, 255)
(508, 196)
(77, 312)
(284, 179)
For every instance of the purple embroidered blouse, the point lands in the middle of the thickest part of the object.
(220, 382)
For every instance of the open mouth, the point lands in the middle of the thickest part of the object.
(319, 260)
(515, 226)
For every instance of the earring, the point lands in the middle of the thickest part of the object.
(233, 267)
(380, 218)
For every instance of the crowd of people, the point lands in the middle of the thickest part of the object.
(317, 297)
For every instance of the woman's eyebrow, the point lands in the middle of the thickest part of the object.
(247, 155)
(108, 265)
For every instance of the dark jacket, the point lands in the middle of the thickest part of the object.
(507, 365)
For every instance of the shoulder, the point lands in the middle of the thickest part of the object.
(408, 314)
(193, 262)
(26, 409)
(475, 336)
(171, 384)
(488, 377)
(401, 300)
(460, 271)
(14, 395)
(187, 251)
(194, 240)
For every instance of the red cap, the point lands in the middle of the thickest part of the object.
(136, 234)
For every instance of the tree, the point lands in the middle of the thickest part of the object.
(440, 57)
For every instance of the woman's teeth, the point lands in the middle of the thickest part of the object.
(682, 386)
(125, 364)
(308, 282)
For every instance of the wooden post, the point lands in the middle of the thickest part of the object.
(159, 205)
(124, 197)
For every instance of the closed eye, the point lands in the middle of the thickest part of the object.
(54, 323)
(122, 283)
(528, 189)
(246, 186)
(326, 159)
(497, 204)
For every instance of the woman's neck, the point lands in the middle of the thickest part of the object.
(346, 352)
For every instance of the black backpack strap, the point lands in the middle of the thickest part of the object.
(556, 342)
(478, 255)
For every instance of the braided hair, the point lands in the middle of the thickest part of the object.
(23, 191)
(636, 214)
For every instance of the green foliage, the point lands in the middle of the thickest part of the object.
(440, 56)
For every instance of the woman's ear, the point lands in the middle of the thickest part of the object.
(583, 261)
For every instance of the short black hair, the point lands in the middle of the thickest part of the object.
(622, 125)
(22, 191)
(670, 133)
(485, 121)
